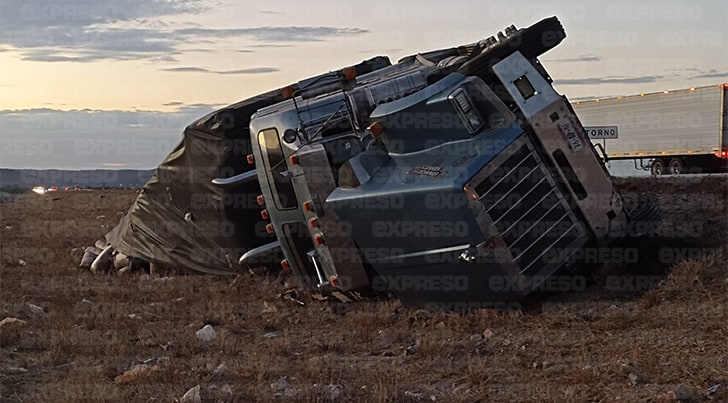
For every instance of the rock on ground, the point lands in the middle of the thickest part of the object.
(206, 334)
(104, 261)
(192, 396)
(36, 310)
(89, 255)
(120, 260)
(11, 323)
(684, 393)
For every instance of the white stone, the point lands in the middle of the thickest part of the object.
(10, 322)
(104, 261)
(226, 389)
(192, 396)
(206, 334)
(36, 310)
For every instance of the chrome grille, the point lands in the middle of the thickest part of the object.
(528, 210)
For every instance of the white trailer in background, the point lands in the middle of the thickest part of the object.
(670, 132)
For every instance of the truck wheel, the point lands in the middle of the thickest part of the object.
(675, 167)
(658, 167)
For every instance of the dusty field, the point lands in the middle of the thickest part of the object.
(638, 330)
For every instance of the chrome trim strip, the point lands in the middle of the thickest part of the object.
(425, 252)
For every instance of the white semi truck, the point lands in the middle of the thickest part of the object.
(670, 132)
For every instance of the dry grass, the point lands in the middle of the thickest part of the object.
(567, 347)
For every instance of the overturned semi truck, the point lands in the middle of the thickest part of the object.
(457, 175)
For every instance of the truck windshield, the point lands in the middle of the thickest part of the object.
(277, 171)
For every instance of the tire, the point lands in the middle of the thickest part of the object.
(531, 42)
(658, 167)
(675, 167)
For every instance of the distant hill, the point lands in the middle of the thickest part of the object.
(19, 179)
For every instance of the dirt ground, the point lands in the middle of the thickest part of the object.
(651, 326)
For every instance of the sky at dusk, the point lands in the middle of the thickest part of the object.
(112, 83)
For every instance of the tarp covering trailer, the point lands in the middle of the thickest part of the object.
(181, 219)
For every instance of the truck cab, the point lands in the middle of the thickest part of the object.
(457, 175)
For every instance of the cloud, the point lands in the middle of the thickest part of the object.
(83, 139)
(200, 50)
(55, 55)
(712, 73)
(51, 120)
(270, 12)
(695, 73)
(253, 70)
(581, 58)
(270, 45)
(187, 70)
(608, 80)
(380, 51)
(90, 30)
(34, 14)
(273, 34)
(86, 44)
(42, 56)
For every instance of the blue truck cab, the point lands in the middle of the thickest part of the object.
(455, 176)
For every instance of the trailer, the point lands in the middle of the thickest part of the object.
(670, 132)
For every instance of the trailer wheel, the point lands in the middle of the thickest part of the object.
(675, 167)
(658, 167)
